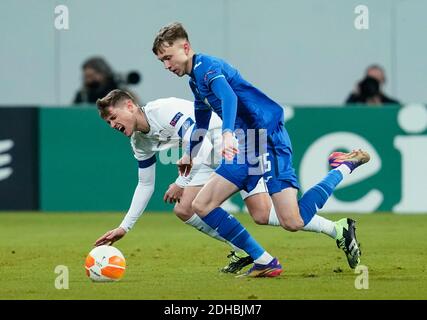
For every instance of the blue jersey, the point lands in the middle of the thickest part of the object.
(219, 87)
(255, 110)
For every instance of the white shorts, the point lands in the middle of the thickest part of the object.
(201, 176)
(204, 172)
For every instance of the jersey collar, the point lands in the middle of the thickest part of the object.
(192, 66)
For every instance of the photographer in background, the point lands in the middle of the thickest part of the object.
(369, 90)
(99, 79)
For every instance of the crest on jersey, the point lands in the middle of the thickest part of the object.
(209, 74)
(175, 119)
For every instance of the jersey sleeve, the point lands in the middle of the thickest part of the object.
(222, 90)
(142, 195)
(200, 129)
(144, 157)
(211, 71)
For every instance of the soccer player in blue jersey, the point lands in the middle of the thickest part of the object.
(263, 149)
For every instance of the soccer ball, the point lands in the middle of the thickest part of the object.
(105, 263)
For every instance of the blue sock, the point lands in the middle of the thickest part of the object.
(230, 229)
(316, 197)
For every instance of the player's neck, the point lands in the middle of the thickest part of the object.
(142, 122)
(189, 67)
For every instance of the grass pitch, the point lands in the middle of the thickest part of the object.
(169, 260)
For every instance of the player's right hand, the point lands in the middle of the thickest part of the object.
(173, 194)
(110, 237)
(229, 147)
(184, 165)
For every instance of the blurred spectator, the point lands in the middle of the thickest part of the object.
(369, 90)
(99, 79)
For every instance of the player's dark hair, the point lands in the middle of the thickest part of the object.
(169, 34)
(112, 98)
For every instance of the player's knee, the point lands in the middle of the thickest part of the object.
(260, 214)
(183, 212)
(293, 225)
(198, 206)
(260, 220)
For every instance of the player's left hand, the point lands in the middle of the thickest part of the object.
(173, 194)
(229, 148)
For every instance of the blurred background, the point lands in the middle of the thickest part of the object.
(299, 52)
(314, 56)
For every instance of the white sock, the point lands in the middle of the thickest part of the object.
(323, 225)
(345, 171)
(264, 259)
(202, 226)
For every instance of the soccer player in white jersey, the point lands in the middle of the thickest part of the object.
(160, 125)
(163, 124)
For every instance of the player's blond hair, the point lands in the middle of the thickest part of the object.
(168, 35)
(112, 99)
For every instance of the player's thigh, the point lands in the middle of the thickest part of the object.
(258, 202)
(259, 207)
(183, 208)
(287, 210)
(216, 190)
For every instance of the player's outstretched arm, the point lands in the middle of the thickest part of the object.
(142, 195)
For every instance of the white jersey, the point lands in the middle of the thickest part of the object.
(171, 121)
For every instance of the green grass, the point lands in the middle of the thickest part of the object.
(169, 260)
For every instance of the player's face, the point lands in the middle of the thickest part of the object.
(176, 58)
(121, 117)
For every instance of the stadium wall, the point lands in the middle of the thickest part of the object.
(69, 160)
(299, 52)
(19, 159)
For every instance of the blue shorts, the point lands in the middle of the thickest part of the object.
(279, 160)
(276, 165)
(240, 173)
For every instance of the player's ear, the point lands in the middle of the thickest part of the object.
(186, 47)
(129, 104)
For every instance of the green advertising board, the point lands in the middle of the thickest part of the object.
(86, 166)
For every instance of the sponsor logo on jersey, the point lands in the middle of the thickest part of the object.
(209, 74)
(175, 119)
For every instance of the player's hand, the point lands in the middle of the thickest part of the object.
(173, 194)
(110, 237)
(229, 148)
(184, 165)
